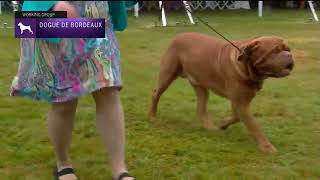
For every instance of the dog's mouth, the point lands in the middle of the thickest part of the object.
(283, 73)
(286, 71)
(289, 66)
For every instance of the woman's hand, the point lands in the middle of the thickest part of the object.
(66, 6)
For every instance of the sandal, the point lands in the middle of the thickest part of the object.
(123, 175)
(63, 172)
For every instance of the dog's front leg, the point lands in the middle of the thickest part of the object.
(243, 109)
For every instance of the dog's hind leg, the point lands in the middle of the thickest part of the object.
(232, 120)
(169, 71)
(202, 112)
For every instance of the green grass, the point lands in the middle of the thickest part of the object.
(175, 147)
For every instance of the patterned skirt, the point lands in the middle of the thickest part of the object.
(59, 72)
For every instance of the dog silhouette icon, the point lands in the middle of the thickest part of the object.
(24, 27)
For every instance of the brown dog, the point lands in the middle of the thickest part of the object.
(210, 64)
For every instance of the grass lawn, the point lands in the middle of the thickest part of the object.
(175, 147)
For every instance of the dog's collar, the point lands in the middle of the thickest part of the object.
(248, 73)
(236, 64)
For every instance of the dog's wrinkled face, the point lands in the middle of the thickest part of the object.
(269, 56)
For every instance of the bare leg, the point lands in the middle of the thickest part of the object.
(262, 142)
(202, 113)
(60, 126)
(110, 124)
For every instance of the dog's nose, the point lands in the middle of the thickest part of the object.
(290, 66)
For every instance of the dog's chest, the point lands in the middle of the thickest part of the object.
(192, 80)
(217, 87)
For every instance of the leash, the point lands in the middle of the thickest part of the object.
(207, 24)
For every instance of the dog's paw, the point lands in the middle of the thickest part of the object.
(151, 117)
(208, 125)
(267, 148)
(223, 126)
(226, 123)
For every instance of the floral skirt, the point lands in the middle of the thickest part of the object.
(59, 72)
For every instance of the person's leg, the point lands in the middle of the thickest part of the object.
(60, 126)
(110, 124)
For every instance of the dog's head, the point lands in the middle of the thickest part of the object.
(19, 24)
(268, 56)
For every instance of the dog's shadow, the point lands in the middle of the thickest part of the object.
(191, 124)
(223, 140)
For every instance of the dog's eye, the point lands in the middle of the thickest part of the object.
(276, 49)
(286, 48)
(273, 52)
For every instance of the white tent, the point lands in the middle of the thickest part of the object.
(223, 5)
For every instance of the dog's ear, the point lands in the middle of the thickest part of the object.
(247, 49)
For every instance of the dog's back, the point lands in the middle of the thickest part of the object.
(195, 43)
